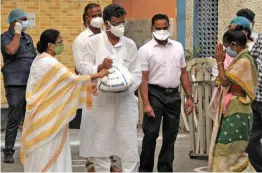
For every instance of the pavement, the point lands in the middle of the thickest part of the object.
(182, 162)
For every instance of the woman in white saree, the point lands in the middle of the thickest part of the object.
(53, 95)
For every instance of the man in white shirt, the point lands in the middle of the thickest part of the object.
(93, 21)
(110, 126)
(163, 69)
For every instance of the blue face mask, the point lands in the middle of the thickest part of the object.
(230, 52)
(25, 25)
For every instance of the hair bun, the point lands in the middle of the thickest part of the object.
(38, 47)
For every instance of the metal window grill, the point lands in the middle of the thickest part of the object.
(207, 14)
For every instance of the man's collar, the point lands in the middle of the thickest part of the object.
(88, 30)
(155, 43)
(120, 42)
(91, 33)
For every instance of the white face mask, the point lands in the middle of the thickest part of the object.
(25, 25)
(96, 22)
(118, 31)
(161, 34)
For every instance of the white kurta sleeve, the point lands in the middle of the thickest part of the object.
(84, 57)
(135, 69)
(78, 53)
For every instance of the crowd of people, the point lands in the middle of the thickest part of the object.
(45, 95)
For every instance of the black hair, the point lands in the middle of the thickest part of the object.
(113, 10)
(88, 7)
(48, 36)
(159, 17)
(241, 28)
(247, 13)
(235, 35)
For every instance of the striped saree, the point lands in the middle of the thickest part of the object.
(233, 122)
(53, 95)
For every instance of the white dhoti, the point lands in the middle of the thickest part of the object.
(110, 128)
(102, 164)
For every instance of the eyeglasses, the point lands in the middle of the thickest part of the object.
(118, 24)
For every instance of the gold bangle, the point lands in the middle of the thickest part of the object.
(220, 63)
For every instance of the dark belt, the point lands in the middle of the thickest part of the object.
(166, 90)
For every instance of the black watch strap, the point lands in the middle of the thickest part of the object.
(189, 96)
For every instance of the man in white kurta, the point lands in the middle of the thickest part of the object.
(93, 21)
(110, 127)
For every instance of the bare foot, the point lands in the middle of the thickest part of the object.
(114, 169)
(92, 169)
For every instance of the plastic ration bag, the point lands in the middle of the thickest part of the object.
(118, 80)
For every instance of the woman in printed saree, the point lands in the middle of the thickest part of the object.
(232, 124)
(53, 95)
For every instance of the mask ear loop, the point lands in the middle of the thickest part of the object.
(153, 29)
(109, 24)
(52, 45)
(233, 44)
(85, 23)
(89, 21)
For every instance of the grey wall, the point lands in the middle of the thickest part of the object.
(139, 31)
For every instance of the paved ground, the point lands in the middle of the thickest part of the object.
(182, 161)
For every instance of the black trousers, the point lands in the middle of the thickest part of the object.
(17, 104)
(166, 105)
(254, 148)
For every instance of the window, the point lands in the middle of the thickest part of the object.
(207, 15)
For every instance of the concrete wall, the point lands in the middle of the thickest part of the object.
(139, 31)
(189, 24)
(139, 14)
(64, 15)
(228, 9)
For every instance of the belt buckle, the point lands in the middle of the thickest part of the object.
(169, 90)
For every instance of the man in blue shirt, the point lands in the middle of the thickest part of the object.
(18, 53)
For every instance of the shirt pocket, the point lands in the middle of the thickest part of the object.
(124, 58)
(175, 62)
(126, 62)
(175, 67)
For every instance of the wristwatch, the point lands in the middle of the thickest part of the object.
(189, 96)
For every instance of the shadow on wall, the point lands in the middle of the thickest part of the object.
(139, 31)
